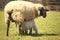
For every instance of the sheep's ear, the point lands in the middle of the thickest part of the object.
(46, 8)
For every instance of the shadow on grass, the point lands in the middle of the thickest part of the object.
(34, 35)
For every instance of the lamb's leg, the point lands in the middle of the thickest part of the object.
(21, 30)
(26, 32)
(30, 31)
(8, 25)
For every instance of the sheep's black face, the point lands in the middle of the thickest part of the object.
(43, 12)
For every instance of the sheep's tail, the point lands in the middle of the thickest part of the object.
(10, 12)
(10, 15)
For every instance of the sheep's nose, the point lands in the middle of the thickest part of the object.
(44, 16)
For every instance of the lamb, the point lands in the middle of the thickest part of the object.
(28, 25)
(19, 11)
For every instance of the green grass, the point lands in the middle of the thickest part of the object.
(48, 28)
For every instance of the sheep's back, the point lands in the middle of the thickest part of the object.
(26, 8)
(16, 4)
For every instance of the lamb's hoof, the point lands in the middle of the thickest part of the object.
(30, 34)
(26, 33)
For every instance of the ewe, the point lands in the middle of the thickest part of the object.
(18, 11)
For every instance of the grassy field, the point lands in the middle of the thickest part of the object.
(48, 28)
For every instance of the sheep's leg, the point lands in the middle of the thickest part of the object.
(16, 24)
(8, 25)
(7, 21)
(22, 32)
(19, 29)
(30, 31)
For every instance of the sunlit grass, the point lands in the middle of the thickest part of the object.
(48, 28)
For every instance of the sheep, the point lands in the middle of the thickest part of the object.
(28, 25)
(19, 11)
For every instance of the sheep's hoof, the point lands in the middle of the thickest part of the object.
(6, 34)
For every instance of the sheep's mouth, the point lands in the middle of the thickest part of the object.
(44, 16)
